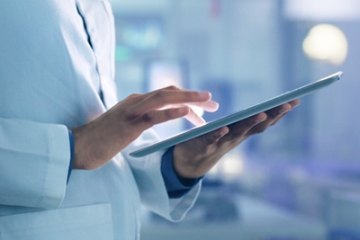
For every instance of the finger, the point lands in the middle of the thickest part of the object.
(247, 125)
(168, 88)
(278, 111)
(154, 117)
(194, 118)
(212, 137)
(139, 97)
(294, 103)
(240, 129)
(193, 115)
(160, 99)
(273, 116)
(278, 119)
(209, 106)
(135, 95)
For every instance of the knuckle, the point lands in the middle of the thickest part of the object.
(130, 115)
(208, 140)
(169, 114)
(134, 95)
(173, 87)
(259, 130)
(147, 118)
(160, 94)
(190, 95)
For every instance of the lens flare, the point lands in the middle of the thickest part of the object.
(326, 43)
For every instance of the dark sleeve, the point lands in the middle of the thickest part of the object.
(72, 145)
(176, 186)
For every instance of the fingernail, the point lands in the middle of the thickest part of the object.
(221, 134)
(213, 105)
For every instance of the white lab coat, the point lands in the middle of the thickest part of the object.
(50, 79)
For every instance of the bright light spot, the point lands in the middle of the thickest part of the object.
(214, 171)
(326, 43)
(232, 165)
(168, 81)
(198, 110)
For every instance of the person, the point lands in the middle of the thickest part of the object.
(65, 169)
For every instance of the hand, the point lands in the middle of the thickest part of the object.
(99, 141)
(194, 158)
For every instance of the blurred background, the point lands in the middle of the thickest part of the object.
(301, 178)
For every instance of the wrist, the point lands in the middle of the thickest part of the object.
(186, 167)
(84, 149)
(79, 161)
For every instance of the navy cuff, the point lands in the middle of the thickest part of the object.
(72, 145)
(176, 185)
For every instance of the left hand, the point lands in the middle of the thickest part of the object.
(194, 158)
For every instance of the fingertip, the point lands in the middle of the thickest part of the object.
(199, 122)
(194, 118)
(205, 95)
(286, 108)
(214, 106)
(222, 132)
(225, 131)
(261, 117)
(295, 103)
(279, 110)
(258, 118)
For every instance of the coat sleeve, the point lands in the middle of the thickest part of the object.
(46, 75)
(34, 154)
(147, 173)
(34, 163)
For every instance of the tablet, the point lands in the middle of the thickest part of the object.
(238, 116)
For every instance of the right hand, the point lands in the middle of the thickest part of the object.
(98, 141)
